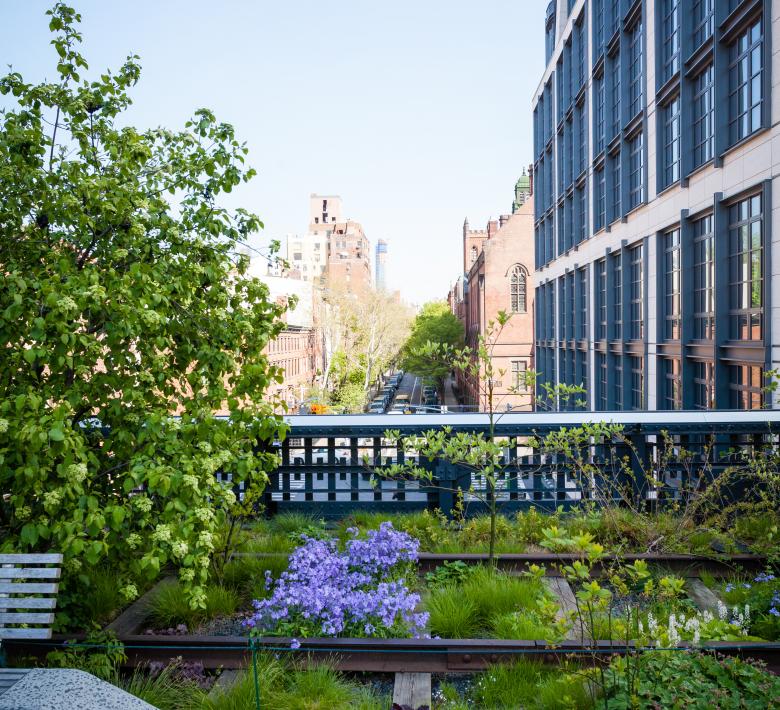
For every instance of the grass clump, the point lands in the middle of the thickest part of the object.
(527, 683)
(282, 688)
(486, 602)
(170, 607)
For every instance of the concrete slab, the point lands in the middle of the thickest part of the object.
(66, 689)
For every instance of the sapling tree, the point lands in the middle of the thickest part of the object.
(481, 455)
(127, 320)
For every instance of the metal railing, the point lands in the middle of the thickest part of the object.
(331, 465)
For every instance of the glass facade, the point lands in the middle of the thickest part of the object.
(670, 42)
(746, 83)
(703, 279)
(671, 245)
(671, 151)
(703, 118)
(680, 303)
(636, 175)
(746, 270)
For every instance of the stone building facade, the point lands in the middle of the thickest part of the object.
(498, 276)
(657, 203)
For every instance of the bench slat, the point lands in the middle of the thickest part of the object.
(29, 572)
(32, 558)
(28, 587)
(6, 633)
(22, 617)
(28, 602)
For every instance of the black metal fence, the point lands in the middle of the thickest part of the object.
(331, 465)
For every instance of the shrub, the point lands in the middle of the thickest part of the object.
(682, 679)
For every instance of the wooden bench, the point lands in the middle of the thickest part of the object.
(28, 595)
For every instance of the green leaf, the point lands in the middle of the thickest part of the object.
(56, 434)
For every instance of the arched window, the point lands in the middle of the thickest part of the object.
(517, 289)
(473, 254)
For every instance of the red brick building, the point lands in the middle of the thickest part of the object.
(498, 276)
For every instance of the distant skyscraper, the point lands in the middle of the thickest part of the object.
(381, 258)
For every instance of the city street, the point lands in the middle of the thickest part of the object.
(411, 385)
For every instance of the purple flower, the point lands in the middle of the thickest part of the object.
(774, 612)
(354, 592)
(729, 588)
(764, 577)
(295, 644)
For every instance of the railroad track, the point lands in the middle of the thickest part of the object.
(404, 655)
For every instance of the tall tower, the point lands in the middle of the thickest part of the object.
(381, 257)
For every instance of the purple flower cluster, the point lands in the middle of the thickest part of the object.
(358, 592)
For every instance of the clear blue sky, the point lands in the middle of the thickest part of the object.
(416, 112)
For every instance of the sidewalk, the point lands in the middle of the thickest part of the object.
(450, 400)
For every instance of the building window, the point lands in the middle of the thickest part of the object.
(703, 118)
(746, 270)
(703, 280)
(582, 139)
(672, 384)
(671, 150)
(617, 193)
(637, 382)
(582, 213)
(615, 87)
(518, 284)
(473, 254)
(601, 374)
(671, 244)
(703, 21)
(618, 389)
(570, 311)
(703, 385)
(599, 200)
(601, 296)
(636, 176)
(670, 38)
(635, 71)
(562, 102)
(746, 386)
(637, 294)
(519, 380)
(614, 16)
(598, 27)
(617, 310)
(582, 295)
(745, 79)
(598, 114)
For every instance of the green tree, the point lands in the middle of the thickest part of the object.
(122, 302)
(435, 324)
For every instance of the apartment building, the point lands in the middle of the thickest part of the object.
(380, 265)
(497, 276)
(656, 151)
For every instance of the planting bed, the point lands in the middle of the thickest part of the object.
(484, 633)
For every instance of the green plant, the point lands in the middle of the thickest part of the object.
(124, 302)
(485, 602)
(100, 654)
(526, 683)
(690, 680)
(169, 606)
(452, 616)
(451, 572)
(163, 691)
(293, 524)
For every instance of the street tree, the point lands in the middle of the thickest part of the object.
(434, 325)
(124, 302)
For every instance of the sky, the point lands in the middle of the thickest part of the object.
(416, 112)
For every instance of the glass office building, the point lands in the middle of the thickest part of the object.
(656, 147)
